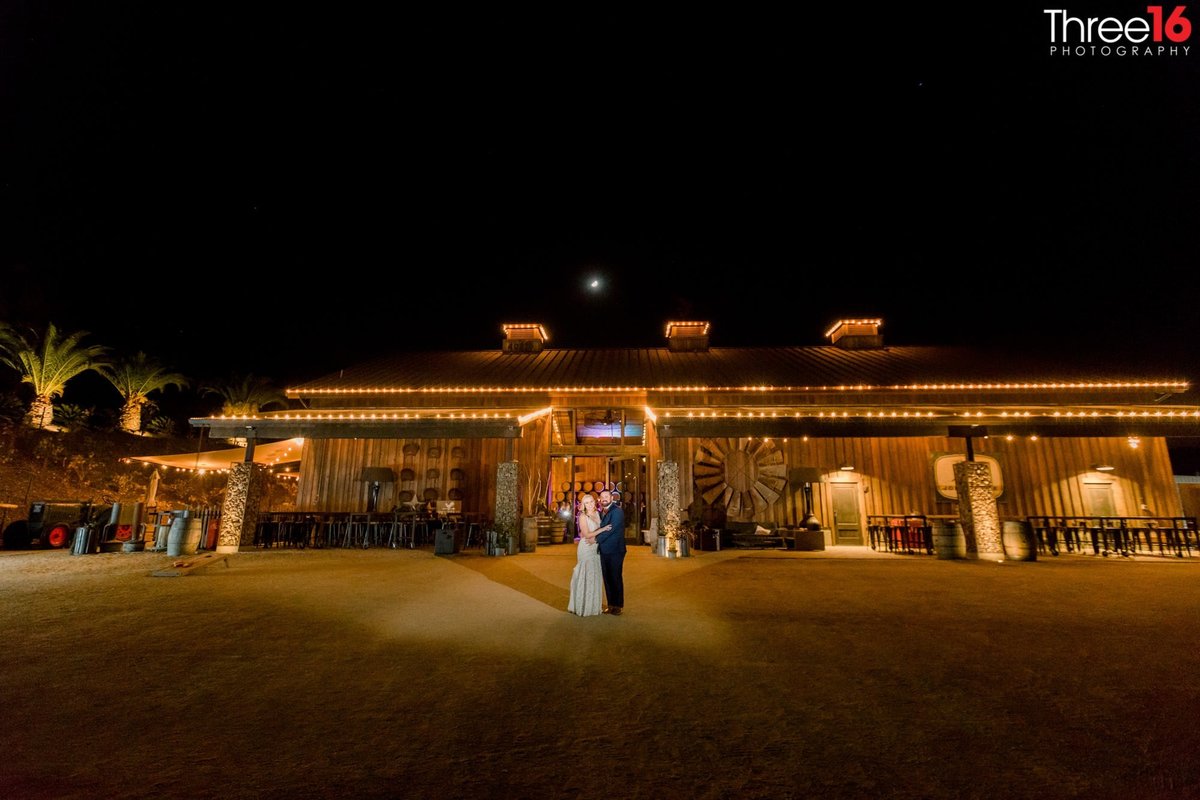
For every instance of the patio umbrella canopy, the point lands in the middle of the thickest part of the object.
(271, 454)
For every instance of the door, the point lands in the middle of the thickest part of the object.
(847, 523)
(1098, 500)
(629, 476)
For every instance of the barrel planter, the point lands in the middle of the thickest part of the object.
(1019, 544)
(948, 539)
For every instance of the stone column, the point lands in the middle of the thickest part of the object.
(977, 511)
(239, 514)
(506, 513)
(668, 501)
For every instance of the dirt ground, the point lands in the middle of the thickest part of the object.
(386, 673)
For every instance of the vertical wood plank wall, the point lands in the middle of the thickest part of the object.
(895, 476)
(330, 468)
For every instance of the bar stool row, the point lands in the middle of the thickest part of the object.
(1126, 536)
(901, 533)
(395, 529)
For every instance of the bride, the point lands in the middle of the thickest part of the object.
(586, 581)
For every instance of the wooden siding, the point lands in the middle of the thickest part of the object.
(330, 468)
(1047, 476)
(895, 476)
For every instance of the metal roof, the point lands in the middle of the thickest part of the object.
(719, 367)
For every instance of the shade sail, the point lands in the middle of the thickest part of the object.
(270, 453)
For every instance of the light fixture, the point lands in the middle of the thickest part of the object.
(1134, 441)
(845, 465)
(1103, 467)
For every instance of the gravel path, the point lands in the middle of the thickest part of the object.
(386, 673)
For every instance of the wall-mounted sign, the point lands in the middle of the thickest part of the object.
(943, 473)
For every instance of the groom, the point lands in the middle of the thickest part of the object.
(612, 553)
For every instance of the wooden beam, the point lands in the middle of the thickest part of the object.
(781, 427)
(271, 428)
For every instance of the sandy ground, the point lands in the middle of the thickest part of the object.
(388, 673)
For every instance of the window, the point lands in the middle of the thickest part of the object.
(609, 426)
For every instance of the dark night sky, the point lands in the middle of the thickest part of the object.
(331, 185)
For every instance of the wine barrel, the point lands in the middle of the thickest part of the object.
(598, 486)
(566, 486)
(577, 486)
(550, 530)
(411, 449)
(560, 496)
(184, 536)
(1019, 544)
(529, 534)
(948, 539)
(192, 535)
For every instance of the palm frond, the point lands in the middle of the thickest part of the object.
(49, 361)
(135, 378)
(246, 396)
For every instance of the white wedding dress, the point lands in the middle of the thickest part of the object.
(587, 582)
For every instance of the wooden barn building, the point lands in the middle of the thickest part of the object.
(866, 422)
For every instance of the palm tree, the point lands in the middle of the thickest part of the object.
(135, 378)
(47, 363)
(71, 417)
(245, 398)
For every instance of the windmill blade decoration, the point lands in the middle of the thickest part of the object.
(745, 475)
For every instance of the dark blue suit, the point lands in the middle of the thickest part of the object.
(611, 545)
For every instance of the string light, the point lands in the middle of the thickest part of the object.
(1172, 385)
